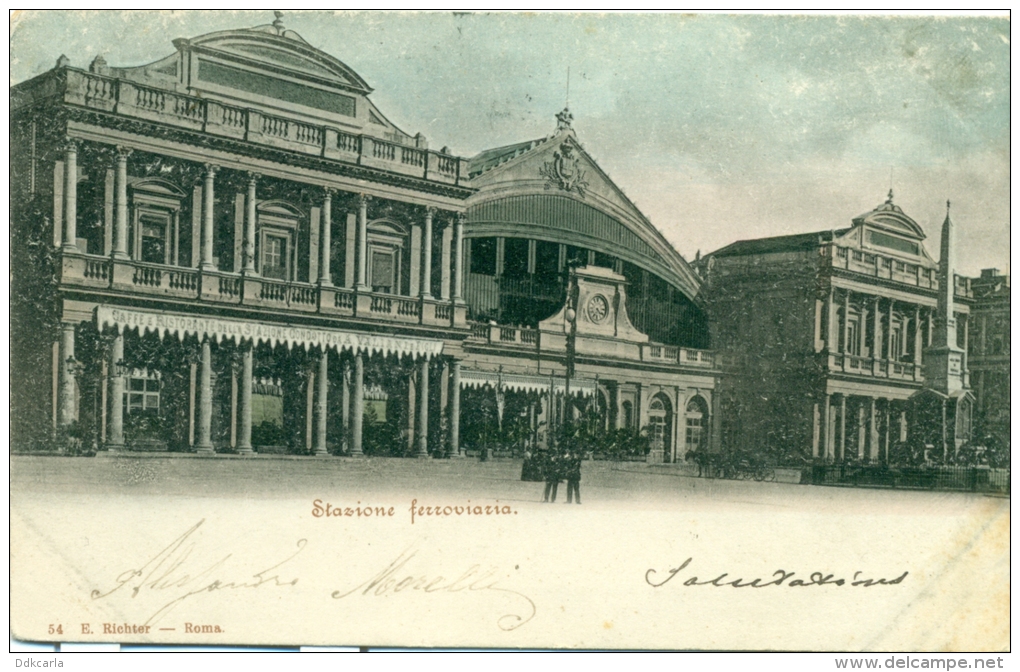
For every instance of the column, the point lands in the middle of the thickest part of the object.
(832, 340)
(250, 216)
(889, 354)
(842, 428)
(918, 336)
(876, 332)
(325, 239)
(423, 408)
(120, 221)
(873, 440)
(426, 255)
(888, 430)
(861, 430)
(321, 404)
(203, 435)
(455, 408)
(444, 276)
(70, 243)
(826, 428)
(345, 404)
(359, 405)
(816, 430)
(965, 318)
(65, 394)
(244, 422)
(115, 428)
(362, 285)
(458, 258)
(846, 322)
(862, 327)
(208, 203)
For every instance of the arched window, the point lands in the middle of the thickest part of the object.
(627, 421)
(696, 416)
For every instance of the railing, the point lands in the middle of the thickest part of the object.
(973, 479)
(232, 117)
(873, 367)
(346, 142)
(166, 106)
(343, 300)
(381, 304)
(146, 276)
(275, 127)
(408, 308)
(673, 354)
(877, 265)
(96, 269)
(230, 287)
(185, 281)
(145, 279)
(99, 90)
(480, 330)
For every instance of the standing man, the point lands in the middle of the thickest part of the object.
(572, 467)
(552, 475)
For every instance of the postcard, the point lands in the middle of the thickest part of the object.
(499, 330)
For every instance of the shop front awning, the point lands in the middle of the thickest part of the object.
(517, 382)
(226, 329)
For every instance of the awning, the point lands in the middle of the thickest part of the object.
(225, 329)
(518, 382)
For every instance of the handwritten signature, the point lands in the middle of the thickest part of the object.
(395, 579)
(170, 571)
(780, 577)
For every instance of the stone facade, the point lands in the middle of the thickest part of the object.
(233, 249)
(830, 340)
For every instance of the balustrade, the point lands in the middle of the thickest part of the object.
(96, 269)
(381, 304)
(131, 99)
(408, 308)
(147, 277)
(185, 281)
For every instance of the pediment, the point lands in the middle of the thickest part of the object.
(281, 54)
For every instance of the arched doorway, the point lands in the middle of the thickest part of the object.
(660, 429)
(696, 420)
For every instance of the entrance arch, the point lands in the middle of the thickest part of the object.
(696, 421)
(660, 428)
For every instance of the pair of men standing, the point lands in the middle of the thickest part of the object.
(562, 466)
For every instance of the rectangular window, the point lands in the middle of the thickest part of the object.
(274, 257)
(603, 260)
(576, 256)
(892, 242)
(547, 258)
(515, 257)
(483, 256)
(382, 272)
(854, 336)
(142, 395)
(153, 242)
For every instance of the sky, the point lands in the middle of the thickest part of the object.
(719, 127)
